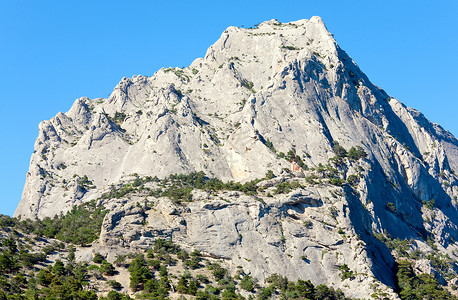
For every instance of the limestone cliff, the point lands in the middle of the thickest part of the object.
(257, 95)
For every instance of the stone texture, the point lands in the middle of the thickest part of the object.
(289, 84)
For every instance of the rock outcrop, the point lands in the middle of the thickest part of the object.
(257, 95)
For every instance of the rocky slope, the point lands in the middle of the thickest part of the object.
(34, 265)
(260, 96)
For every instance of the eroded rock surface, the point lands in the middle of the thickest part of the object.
(234, 114)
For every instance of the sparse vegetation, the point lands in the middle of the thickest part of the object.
(249, 85)
(290, 48)
(391, 207)
(81, 225)
(423, 286)
(84, 183)
(178, 187)
(286, 187)
(399, 247)
(292, 156)
(430, 204)
(119, 118)
(151, 276)
(280, 220)
(280, 287)
(345, 272)
(269, 145)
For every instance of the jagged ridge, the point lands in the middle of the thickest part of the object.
(256, 94)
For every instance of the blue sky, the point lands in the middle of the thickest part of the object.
(52, 52)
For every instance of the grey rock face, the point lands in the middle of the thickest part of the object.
(258, 93)
(294, 234)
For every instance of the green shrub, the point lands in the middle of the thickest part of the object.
(339, 150)
(269, 174)
(352, 179)
(98, 258)
(345, 272)
(167, 246)
(194, 262)
(192, 287)
(202, 278)
(247, 283)
(218, 271)
(182, 286)
(269, 145)
(423, 286)
(290, 48)
(286, 187)
(80, 226)
(356, 153)
(429, 204)
(119, 118)
(249, 85)
(336, 181)
(114, 284)
(391, 207)
(107, 268)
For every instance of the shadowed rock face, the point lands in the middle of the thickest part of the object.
(285, 85)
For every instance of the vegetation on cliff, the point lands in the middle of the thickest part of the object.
(35, 267)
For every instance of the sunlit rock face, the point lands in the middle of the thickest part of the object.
(258, 93)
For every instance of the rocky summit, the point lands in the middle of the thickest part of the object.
(274, 152)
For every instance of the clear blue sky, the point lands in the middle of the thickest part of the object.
(52, 52)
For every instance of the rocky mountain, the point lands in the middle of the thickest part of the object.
(310, 170)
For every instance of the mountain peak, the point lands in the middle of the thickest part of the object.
(281, 99)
